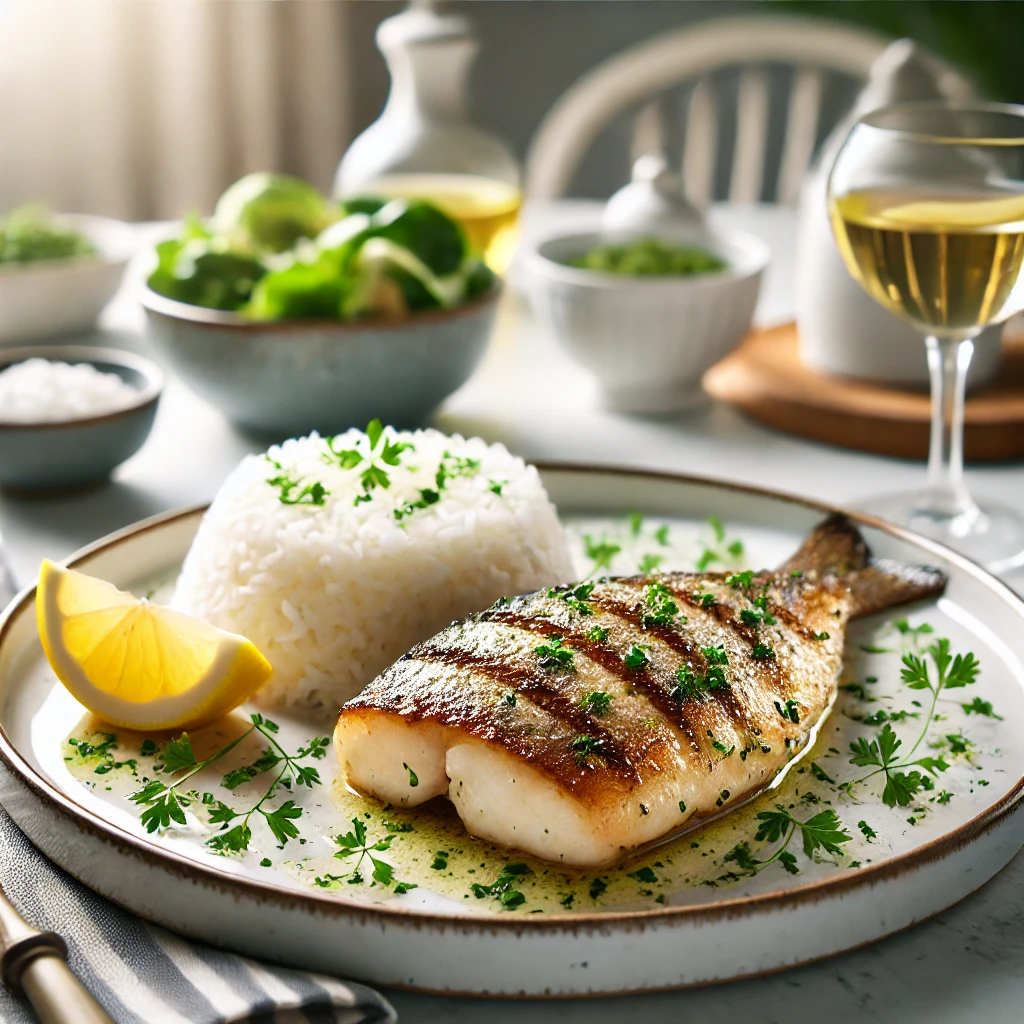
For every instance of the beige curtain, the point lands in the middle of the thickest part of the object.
(148, 108)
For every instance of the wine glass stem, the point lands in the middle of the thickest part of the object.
(947, 494)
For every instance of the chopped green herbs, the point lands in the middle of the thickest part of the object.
(762, 652)
(644, 874)
(503, 888)
(575, 597)
(597, 703)
(554, 656)
(980, 707)
(597, 888)
(600, 552)
(869, 832)
(636, 657)
(649, 563)
(789, 711)
(508, 698)
(598, 634)
(661, 535)
(440, 861)
(292, 491)
(583, 746)
(413, 777)
(660, 607)
(378, 452)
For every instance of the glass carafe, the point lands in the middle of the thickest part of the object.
(424, 145)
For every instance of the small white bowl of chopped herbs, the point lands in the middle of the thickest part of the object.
(71, 414)
(648, 314)
(57, 272)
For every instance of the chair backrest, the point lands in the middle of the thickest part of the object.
(639, 77)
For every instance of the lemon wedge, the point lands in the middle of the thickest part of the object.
(139, 665)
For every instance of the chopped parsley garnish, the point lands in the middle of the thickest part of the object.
(706, 600)
(648, 563)
(597, 888)
(508, 698)
(661, 535)
(440, 861)
(292, 491)
(789, 711)
(980, 707)
(597, 703)
(413, 777)
(554, 656)
(636, 523)
(427, 498)
(741, 580)
(575, 597)
(722, 748)
(660, 606)
(100, 752)
(720, 549)
(757, 617)
(636, 657)
(821, 636)
(598, 634)
(715, 655)
(600, 552)
(583, 746)
(762, 652)
(148, 748)
(644, 874)
(503, 888)
(819, 773)
(377, 453)
(496, 486)
(453, 466)
(163, 803)
(869, 832)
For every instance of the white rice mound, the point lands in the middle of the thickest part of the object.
(334, 593)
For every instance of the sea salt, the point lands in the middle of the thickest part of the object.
(41, 391)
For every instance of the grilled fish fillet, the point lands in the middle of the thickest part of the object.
(578, 723)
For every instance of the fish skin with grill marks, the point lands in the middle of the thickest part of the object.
(710, 684)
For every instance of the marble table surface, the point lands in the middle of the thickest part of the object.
(967, 963)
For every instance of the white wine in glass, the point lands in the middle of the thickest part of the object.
(927, 205)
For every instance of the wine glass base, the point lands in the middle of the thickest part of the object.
(991, 534)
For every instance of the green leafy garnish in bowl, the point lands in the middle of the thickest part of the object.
(31, 233)
(649, 257)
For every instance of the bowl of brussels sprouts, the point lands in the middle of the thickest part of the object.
(290, 313)
(57, 272)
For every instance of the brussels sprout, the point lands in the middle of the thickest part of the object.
(300, 291)
(270, 213)
(196, 268)
(361, 204)
(429, 234)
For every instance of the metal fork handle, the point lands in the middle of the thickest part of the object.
(34, 963)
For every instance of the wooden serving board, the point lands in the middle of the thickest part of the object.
(766, 379)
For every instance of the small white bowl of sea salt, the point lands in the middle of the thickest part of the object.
(70, 415)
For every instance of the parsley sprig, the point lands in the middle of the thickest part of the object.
(721, 549)
(378, 452)
(163, 803)
(882, 753)
(824, 831)
(554, 656)
(660, 607)
(356, 844)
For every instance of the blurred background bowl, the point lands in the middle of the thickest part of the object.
(287, 378)
(46, 298)
(86, 450)
(648, 340)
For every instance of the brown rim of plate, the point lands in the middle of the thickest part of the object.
(184, 312)
(936, 849)
(149, 393)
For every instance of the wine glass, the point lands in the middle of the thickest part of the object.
(927, 205)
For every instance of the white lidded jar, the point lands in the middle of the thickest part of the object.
(842, 329)
(424, 144)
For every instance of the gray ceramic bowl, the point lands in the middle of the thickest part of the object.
(287, 378)
(54, 456)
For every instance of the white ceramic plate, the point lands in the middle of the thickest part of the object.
(697, 910)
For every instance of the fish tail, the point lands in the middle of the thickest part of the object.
(836, 548)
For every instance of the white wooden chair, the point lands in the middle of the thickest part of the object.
(638, 79)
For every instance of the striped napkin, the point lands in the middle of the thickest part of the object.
(142, 974)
